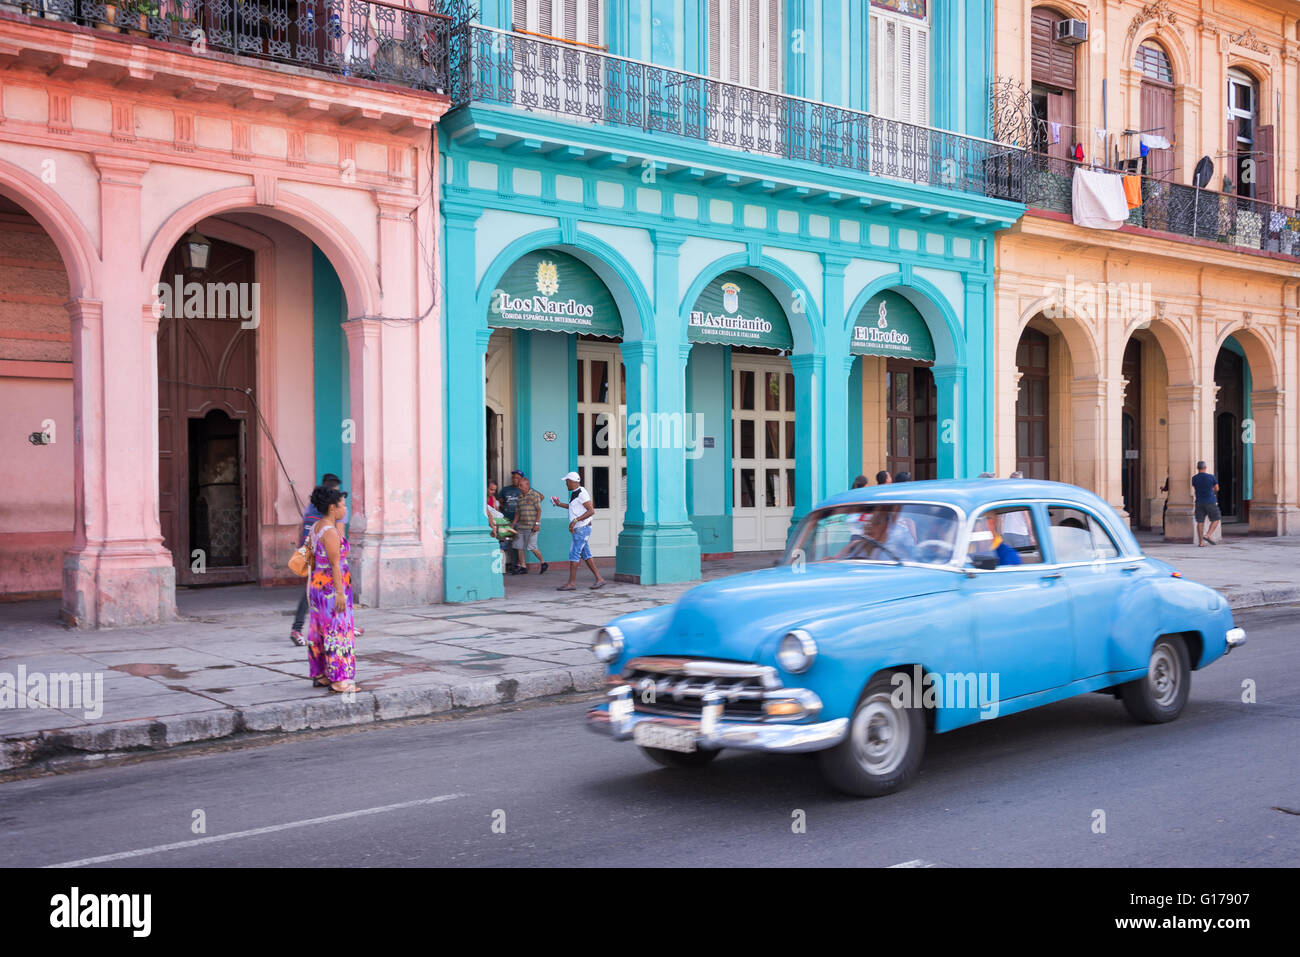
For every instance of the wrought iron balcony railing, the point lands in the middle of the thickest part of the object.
(590, 86)
(1203, 214)
(366, 39)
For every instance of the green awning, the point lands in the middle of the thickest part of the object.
(551, 291)
(889, 325)
(738, 310)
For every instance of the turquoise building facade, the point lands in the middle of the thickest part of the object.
(682, 255)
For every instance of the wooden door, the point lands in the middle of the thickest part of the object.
(207, 426)
(1131, 434)
(1158, 118)
(1032, 445)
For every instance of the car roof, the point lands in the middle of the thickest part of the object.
(969, 494)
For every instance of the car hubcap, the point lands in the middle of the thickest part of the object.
(1162, 674)
(880, 735)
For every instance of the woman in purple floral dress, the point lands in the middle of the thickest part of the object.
(330, 632)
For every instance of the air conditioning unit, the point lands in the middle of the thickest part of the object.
(1071, 31)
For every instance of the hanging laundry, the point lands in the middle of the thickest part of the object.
(1133, 191)
(1143, 149)
(1056, 132)
(1101, 134)
(1098, 200)
(1078, 152)
(1153, 142)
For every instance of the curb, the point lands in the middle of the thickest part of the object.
(368, 707)
(365, 707)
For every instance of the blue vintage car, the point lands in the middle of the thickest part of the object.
(903, 609)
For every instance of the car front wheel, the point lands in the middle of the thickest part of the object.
(1160, 694)
(883, 748)
(679, 759)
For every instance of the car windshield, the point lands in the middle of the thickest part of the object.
(895, 532)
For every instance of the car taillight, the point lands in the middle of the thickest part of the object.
(1176, 575)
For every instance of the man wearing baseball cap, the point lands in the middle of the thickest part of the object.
(580, 513)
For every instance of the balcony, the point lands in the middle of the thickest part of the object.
(584, 85)
(362, 39)
(1180, 212)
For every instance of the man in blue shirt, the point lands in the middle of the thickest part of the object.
(1206, 487)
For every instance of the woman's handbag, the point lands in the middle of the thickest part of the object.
(300, 560)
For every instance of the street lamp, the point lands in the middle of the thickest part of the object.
(194, 251)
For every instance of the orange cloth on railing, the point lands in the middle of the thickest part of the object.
(1133, 191)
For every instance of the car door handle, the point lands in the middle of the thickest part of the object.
(1051, 575)
(1130, 568)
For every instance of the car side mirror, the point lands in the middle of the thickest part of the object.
(985, 562)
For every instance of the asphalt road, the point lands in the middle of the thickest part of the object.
(532, 787)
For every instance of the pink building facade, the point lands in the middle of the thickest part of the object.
(146, 443)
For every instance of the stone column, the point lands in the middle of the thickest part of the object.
(117, 571)
(835, 384)
(1186, 405)
(1272, 512)
(1092, 454)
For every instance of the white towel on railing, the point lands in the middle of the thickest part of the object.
(1098, 199)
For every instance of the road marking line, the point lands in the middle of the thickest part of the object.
(916, 863)
(217, 838)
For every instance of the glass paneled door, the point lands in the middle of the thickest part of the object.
(762, 452)
(602, 449)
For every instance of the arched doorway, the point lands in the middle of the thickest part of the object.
(1233, 431)
(741, 390)
(895, 354)
(37, 436)
(554, 383)
(207, 419)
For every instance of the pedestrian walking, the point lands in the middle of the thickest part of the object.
(309, 518)
(331, 637)
(509, 496)
(580, 512)
(1206, 489)
(528, 522)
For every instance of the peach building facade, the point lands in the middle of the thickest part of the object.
(1126, 355)
(144, 447)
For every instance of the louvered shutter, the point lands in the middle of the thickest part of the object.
(571, 20)
(921, 76)
(775, 47)
(1229, 161)
(1264, 188)
(715, 39)
(544, 18)
(888, 68)
(593, 22)
(733, 41)
(1041, 36)
(904, 76)
(519, 14)
(873, 64)
(754, 41)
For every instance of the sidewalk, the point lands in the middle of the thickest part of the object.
(228, 668)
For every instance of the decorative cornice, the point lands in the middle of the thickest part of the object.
(1247, 39)
(1158, 11)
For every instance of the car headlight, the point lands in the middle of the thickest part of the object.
(797, 652)
(608, 644)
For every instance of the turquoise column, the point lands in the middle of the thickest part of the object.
(471, 560)
(854, 372)
(835, 402)
(810, 433)
(658, 543)
(950, 388)
(979, 452)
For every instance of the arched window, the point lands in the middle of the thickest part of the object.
(1053, 77)
(1153, 62)
(1249, 166)
(1157, 123)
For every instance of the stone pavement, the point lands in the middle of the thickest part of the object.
(227, 667)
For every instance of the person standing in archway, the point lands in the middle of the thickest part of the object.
(580, 510)
(1206, 489)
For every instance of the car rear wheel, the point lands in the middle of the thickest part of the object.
(883, 748)
(679, 759)
(1160, 694)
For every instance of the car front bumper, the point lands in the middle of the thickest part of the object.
(713, 736)
(1235, 638)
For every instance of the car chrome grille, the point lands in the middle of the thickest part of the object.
(660, 688)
